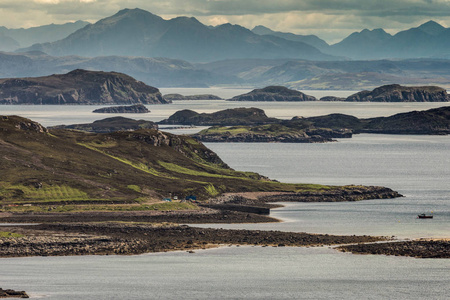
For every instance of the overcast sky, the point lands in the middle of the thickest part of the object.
(331, 20)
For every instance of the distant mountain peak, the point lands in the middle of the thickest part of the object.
(431, 27)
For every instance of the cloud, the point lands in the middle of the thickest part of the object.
(330, 19)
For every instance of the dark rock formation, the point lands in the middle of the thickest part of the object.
(79, 87)
(236, 116)
(332, 98)
(131, 109)
(111, 125)
(174, 97)
(13, 294)
(398, 93)
(274, 93)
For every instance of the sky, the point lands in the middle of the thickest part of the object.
(331, 20)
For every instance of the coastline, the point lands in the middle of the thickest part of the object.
(137, 232)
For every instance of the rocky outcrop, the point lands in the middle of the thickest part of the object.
(111, 125)
(13, 294)
(175, 97)
(274, 93)
(332, 98)
(79, 87)
(235, 116)
(23, 124)
(398, 93)
(419, 248)
(131, 109)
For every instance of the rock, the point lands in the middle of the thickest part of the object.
(13, 294)
(131, 109)
(175, 97)
(398, 93)
(274, 93)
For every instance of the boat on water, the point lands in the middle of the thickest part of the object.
(424, 216)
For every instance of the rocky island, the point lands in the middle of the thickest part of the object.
(398, 93)
(79, 87)
(110, 125)
(320, 129)
(130, 109)
(230, 117)
(274, 93)
(177, 97)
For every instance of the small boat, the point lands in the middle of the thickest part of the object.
(424, 216)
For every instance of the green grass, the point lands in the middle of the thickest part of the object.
(134, 187)
(211, 190)
(6, 234)
(165, 206)
(47, 193)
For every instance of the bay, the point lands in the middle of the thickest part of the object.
(416, 166)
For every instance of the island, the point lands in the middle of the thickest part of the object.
(110, 125)
(398, 93)
(252, 125)
(235, 116)
(130, 109)
(79, 87)
(274, 93)
(176, 97)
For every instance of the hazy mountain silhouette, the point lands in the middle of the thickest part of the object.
(26, 37)
(311, 40)
(136, 32)
(428, 40)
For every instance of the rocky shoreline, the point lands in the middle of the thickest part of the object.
(418, 248)
(134, 238)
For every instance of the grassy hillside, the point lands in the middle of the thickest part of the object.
(120, 170)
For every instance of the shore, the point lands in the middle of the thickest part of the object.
(132, 238)
(136, 232)
(419, 248)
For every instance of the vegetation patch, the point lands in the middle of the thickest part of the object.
(6, 234)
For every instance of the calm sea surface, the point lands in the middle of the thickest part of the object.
(416, 166)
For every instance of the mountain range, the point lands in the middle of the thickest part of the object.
(136, 32)
(182, 52)
(12, 39)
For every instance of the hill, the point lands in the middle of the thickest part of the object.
(78, 87)
(136, 32)
(398, 93)
(63, 166)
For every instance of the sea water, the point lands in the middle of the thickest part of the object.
(416, 166)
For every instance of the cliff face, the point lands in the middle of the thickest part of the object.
(398, 93)
(79, 87)
(274, 93)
